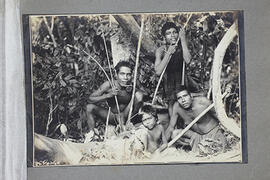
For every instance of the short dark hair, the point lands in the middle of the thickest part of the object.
(166, 26)
(123, 63)
(181, 88)
(148, 109)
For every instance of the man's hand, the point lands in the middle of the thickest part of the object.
(157, 152)
(171, 49)
(186, 54)
(182, 34)
(162, 147)
(228, 90)
(113, 92)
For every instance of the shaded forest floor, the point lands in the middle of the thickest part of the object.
(120, 151)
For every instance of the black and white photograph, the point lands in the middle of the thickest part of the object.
(138, 88)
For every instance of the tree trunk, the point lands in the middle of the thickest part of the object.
(120, 52)
(130, 25)
(229, 123)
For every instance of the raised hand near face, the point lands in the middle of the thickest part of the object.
(171, 49)
(182, 34)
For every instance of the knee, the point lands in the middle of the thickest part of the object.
(176, 132)
(139, 96)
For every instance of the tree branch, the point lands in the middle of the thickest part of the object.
(50, 30)
(220, 51)
(112, 79)
(136, 69)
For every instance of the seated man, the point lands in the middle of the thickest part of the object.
(152, 136)
(122, 90)
(188, 108)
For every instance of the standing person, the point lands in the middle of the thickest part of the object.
(122, 90)
(188, 108)
(172, 56)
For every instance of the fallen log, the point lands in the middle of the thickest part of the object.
(62, 152)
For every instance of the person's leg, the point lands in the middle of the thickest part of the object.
(138, 101)
(184, 140)
(94, 110)
(171, 98)
(220, 138)
(210, 143)
(90, 108)
(170, 108)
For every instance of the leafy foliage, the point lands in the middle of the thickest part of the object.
(65, 73)
(64, 76)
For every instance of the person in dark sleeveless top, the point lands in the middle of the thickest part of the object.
(122, 89)
(171, 56)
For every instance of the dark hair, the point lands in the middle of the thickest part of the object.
(166, 26)
(211, 23)
(181, 88)
(123, 63)
(148, 109)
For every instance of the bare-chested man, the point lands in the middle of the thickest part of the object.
(188, 108)
(122, 90)
(153, 135)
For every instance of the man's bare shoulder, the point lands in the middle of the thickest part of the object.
(202, 100)
(160, 127)
(177, 107)
(105, 86)
(106, 83)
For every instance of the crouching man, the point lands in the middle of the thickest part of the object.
(206, 129)
(122, 89)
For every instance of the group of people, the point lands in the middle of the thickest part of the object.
(182, 106)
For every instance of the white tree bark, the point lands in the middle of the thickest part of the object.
(220, 51)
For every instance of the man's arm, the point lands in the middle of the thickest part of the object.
(164, 140)
(186, 53)
(173, 120)
(101, 93)
(160, 64)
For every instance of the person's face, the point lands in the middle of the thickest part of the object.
(148, 121)
(171, 36)
(184, 99)
(124, 75)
